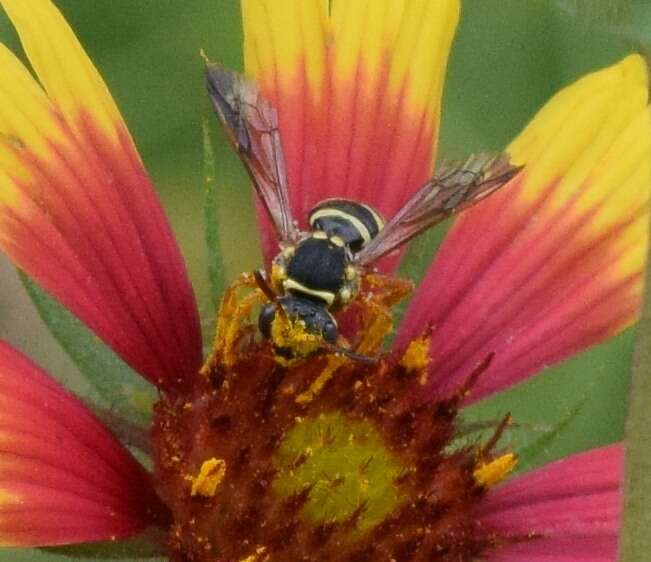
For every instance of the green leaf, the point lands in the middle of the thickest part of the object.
(126, 392)
(143, 548)
(629, 20)
(216, 266)
(534, 453)
(605, 14)
(635, 540)
(532, 442)
(81, 553)
(420, 254)
(417, 259)
(146, 547)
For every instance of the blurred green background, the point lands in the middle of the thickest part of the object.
(508, 58)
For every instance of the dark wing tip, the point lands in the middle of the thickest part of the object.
(224, 87)
(477, 168)
(219, 80)
(477, 177)
(501, 169)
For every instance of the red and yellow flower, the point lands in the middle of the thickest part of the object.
(327, 459)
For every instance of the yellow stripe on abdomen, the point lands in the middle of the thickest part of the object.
(292, 285)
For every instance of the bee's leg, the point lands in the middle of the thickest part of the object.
(228, 318)
(377, 323)
(379, 293)
(234, 311)
(232, 336)
(386, 289)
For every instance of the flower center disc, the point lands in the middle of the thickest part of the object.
(345, 467)
(324, 460)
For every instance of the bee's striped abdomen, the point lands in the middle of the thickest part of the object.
(355, 223)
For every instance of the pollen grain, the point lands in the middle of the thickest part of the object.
(210, 476)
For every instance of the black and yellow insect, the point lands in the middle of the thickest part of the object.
(318, 272)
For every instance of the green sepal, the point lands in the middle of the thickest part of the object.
(125, 392)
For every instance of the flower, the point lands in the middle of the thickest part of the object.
(327, 458)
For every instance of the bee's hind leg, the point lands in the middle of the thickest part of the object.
(378, 295)
(386, 290)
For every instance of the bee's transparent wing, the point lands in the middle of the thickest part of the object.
(454, 188)
(252, 126)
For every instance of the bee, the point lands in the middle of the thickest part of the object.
(318, 272)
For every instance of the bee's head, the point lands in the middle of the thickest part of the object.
(302, 328)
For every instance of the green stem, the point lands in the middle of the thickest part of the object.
(635, 541)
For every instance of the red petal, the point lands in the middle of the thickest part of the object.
(553, 263)
(358, 90)
(78, 212)
(63, 477)
(572, 505)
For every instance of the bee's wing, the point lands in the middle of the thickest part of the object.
(252, 126)
(453, 188)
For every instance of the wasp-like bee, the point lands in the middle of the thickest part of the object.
(318, 272)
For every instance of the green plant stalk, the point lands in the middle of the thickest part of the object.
(635, 538)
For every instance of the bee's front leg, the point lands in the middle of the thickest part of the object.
(234, 311)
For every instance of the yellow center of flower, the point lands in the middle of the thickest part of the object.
(344, 467)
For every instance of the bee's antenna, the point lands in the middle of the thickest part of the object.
(350, 354)
(269, 293)
(264, 286)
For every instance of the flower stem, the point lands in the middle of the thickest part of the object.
(635, 539)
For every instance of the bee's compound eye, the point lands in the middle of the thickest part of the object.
(267, 315)
(330, 331)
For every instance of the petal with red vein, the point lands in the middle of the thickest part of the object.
(553, 263)
(358, 91)
(63, 477)
(571, 507)
(77, 210)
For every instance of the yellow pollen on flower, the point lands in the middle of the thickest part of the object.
(255, 556)
(489, 473)
(211, 474)
(334, 362)
(417, 357)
